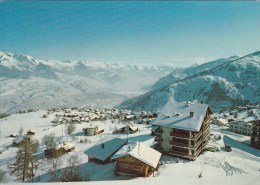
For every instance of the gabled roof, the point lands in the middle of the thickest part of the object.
(141, 152)
(177, 115)
(110, 147)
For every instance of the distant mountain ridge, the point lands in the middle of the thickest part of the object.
(27, 82)
(232, 82)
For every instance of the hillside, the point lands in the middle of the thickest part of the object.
(240, 166)
(31, 83)
(226, 84)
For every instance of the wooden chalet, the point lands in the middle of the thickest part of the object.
(31, 132)
(136, 160)
(102, 152)
(91, 131)
(13, 135)
(183, 129)
(131, 128)
(21, 140)
(59, 150)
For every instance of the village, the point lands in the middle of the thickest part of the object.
(129, 144)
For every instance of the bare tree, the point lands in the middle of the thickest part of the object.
(54, 163)
(49, 140)
(72, 172)
(70, 128)
(21, 131)
(26, 159)
(2, 176)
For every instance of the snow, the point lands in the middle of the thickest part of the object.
(180, 116)
(140, 151)
(240, 166)
(232, 83)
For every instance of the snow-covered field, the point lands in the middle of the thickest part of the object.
(240, 166)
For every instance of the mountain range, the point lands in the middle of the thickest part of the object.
(27, 82)
(222, 84)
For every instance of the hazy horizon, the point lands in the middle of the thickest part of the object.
(176, 33)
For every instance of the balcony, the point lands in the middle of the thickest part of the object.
(186, 145)
(158, 131)
(158, 139)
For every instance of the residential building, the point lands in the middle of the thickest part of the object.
(183, 129)
(91, 131)
(136, 160)
(241, 127)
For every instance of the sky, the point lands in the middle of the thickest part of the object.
(179, 33)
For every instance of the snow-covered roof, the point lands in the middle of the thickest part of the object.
(141, 152)
(31, 130)
(18, 139)
(132, 127)
(222, 120)
(177, 115)
(68, 145)
(110, 147)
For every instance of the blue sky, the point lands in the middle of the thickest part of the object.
(180, 33)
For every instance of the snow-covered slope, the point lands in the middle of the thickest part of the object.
(30, 83)
(232, 82)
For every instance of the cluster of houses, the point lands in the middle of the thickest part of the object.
(76, 115)
(181, 130)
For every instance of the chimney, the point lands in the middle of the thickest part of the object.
(191, 114)
(103, 145)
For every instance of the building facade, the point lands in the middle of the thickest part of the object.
(241, 127)
(183, 130)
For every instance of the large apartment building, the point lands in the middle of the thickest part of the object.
(183, 129)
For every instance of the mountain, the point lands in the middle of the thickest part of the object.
(30, 83)
(222, 83)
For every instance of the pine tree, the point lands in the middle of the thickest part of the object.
(25, 159)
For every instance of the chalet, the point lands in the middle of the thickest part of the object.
(255, 137)
(241, 127)
(31, 132)
(54, 152)
(13, 135)
(68, 147)
(103, 151)
(91, 131)
(136, 160)
(59, 150)
(20, 140)
(183, 129)
(131, 128)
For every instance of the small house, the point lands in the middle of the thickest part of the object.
(54, 152)
(13, 135)
(136, 160)
(31, 132)
(131, 128)
(103, 151)
(91, 131)
(20, 140)
(68, 147)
